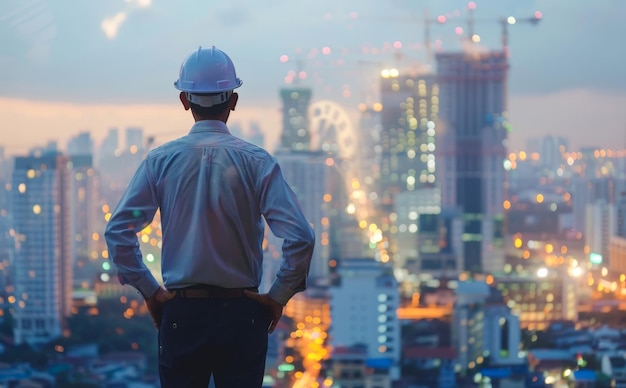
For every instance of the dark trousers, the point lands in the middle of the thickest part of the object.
(200, 337)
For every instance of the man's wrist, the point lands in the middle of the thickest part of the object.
(147, 295)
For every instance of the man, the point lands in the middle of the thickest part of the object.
(214, 192)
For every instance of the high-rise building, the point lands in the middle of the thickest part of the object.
(471, 144)
(83, 190)
(484, 327)
(412, 208)
(587, 191)
(295, 135)
(364, 299)
(617, 255)
(410, 108)
(43, 255)
(620, 208)
(117, 165)
(316, 183)
(82, 144)
(370, 148)
(541, 300)
(134, 140)
(550, 148)
(255, 134)
(591, 164)
(7, 243)
(110, 146)
(601, 221)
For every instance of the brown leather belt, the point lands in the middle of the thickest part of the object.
(212, 292)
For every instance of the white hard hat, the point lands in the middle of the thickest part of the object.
(207, 71)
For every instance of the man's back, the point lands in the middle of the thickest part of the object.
(209, 185)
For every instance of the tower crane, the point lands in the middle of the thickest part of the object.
(428, 22)
(504, 22)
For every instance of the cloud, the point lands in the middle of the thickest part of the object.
(140, 3)
(111, 25)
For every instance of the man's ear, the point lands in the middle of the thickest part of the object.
(184, 100)
(233, 100)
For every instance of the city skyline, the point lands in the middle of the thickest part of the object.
(561, 80)
(447, 251)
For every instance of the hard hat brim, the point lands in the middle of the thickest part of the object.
(189, 87)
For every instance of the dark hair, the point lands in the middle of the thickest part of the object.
(210, 112)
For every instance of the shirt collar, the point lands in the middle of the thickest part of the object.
(209, 126)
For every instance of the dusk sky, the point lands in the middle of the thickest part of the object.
(74, 65)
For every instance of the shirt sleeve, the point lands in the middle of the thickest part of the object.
(133, 213)
(285, 218)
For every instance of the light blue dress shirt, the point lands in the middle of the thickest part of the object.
(214, 192)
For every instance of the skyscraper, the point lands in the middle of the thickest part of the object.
(295, 134)
(82, 144)
(410, 107)
(471, 150)
(370, 149)
(7, 244)
(83, 191)
(134, 140)
(315, 183)
(601, 226)
(255, 135)
(43, 257)
(109, 146)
